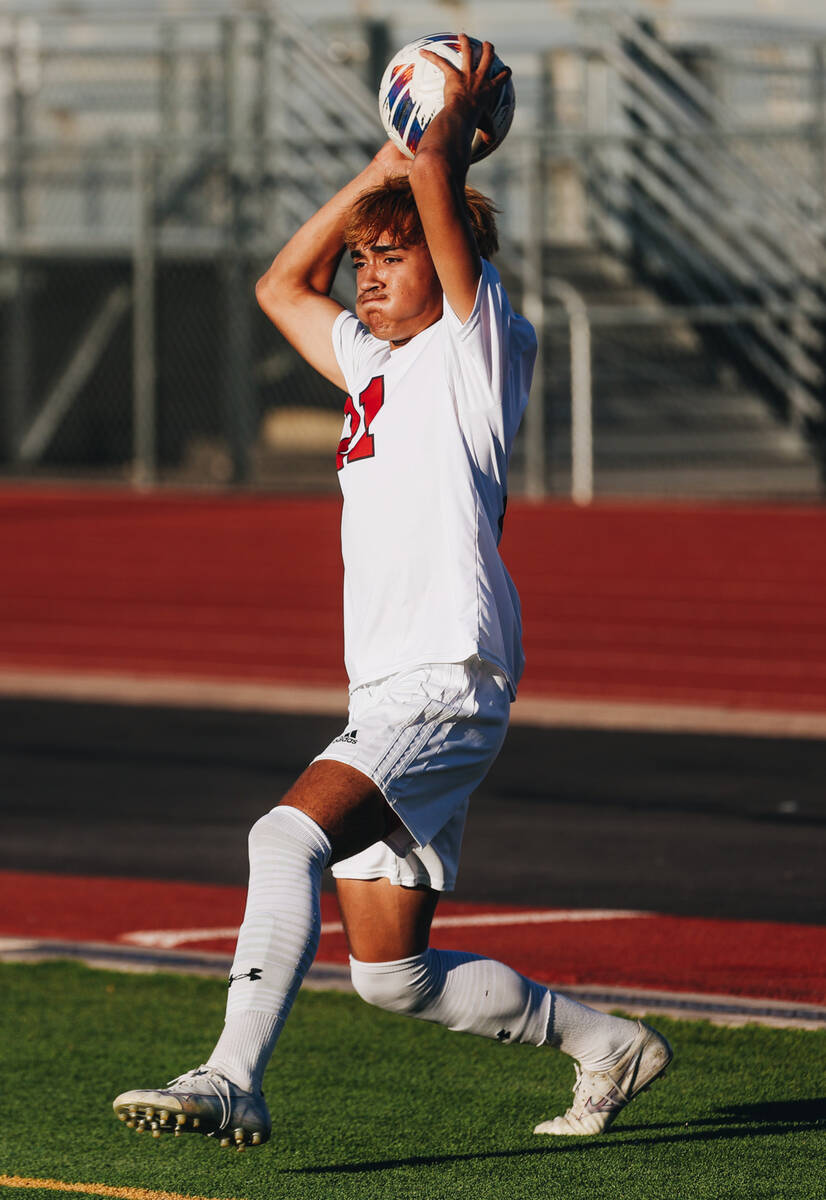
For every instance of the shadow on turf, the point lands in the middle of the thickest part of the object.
(781, 1115)
(736, 1121)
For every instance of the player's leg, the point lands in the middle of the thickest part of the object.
(384, 922)
(393, 967)
(388, 901)
(331, 811)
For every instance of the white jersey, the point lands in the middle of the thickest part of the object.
(423, 468)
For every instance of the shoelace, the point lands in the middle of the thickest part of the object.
(581, 1101)
(219, 1085)
(577, 1082)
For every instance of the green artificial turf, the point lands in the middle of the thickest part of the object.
(367, 1105)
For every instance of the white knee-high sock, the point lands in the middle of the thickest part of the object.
(595, 1039)
(277, 941)
(462, 991)
(478, 995)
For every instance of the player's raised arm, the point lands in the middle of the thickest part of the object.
(437, 175)
(294, 292)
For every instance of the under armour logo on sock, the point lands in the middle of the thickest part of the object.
(252, 975)
(503, 1035)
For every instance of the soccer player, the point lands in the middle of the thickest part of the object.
(436, 367)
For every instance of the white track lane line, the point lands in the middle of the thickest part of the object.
(168, 939)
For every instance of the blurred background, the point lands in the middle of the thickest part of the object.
(663, 195)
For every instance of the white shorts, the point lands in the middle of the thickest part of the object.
(426, 737)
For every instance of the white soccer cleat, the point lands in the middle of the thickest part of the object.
(201, 1101)
(599, 1096)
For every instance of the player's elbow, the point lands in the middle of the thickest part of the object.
(272, 292)
(430, 168)
(263, 290)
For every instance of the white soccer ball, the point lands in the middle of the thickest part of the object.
(412, 91)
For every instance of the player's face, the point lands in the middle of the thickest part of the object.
(398, 293)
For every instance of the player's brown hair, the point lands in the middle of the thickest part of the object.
(391, 208)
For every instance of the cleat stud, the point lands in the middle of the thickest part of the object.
(177, 1131)
(240, 1147)
(149, 1112)
(156, 1133)
(256, 1139)
(238, 1134)
(163, 1117)
(140, 1128)
(133, 1110)
(225, 1141)
(181, 1119)
(130, 1124)
(196, 1121)
(121, 1116)
(154, 1124)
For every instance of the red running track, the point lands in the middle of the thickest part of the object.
(685, 604)
(672, 954)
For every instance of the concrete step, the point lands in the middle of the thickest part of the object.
(759, 482)
(722, 446)
(703, 411)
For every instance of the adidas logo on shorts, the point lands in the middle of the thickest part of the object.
(349, 736)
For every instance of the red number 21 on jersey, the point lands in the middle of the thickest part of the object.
(371, 400)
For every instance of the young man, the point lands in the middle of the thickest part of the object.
(437, 369)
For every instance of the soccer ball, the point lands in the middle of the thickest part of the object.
(412, 92)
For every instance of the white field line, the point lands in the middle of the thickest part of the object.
(168, 939)
(720, 1010)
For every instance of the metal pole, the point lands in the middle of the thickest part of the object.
(237, 384)
(819, 122)
(582, 430)
(19, 359)
(238, 391)
(19, 339)
(144, 375)
(168, 79)
(582, 433)
(533, 305)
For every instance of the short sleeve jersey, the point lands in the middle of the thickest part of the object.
(422, 464)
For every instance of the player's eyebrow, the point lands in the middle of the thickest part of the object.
(375, 249)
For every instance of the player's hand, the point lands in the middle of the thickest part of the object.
(389, 161)
(470, 85)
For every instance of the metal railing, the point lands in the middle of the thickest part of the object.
(616, 374)
(670, 192)
(239, 132)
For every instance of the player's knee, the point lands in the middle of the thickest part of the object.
(280, 828)
(267, 832)
(403, 986)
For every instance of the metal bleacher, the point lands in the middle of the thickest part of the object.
(668, 172)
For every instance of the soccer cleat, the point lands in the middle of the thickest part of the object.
(600, 1095)
(201, 1101)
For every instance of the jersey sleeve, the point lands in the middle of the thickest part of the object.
(492, 353)
(354, 347)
